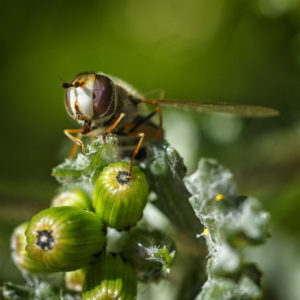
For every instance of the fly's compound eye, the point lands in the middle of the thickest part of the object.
(103, 97)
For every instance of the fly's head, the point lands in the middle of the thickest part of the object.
(90, 96)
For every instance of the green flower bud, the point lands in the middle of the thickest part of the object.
(19, 253)
(75, 197)
(150, 253)
(74, 280)
(118, 199)
(64, 238)
(110, 278)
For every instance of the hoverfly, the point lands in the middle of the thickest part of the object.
(100, 101)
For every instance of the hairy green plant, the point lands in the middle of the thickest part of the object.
(209, 222)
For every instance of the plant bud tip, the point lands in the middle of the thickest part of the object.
(123, 177)
(45, 239)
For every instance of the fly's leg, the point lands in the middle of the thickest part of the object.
(77, 141)
(136, 150)
(130, 128)
(112, 127)
(73, 150)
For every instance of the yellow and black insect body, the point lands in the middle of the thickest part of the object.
(104, 104)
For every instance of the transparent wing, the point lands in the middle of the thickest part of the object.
(243, 110)
(154, 94)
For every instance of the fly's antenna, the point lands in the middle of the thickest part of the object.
(67, 85)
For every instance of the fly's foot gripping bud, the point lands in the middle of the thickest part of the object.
(119, 199)
(110, 277)
(19, 253)
(64, 238)
(76, 197)
(151, 253)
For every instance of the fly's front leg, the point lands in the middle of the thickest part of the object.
(112, 127)
(77, 141)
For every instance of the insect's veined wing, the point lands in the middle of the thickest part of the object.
(154, 94)
(243, 110)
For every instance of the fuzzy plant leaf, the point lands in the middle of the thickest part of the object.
(231, 223)
(151, 253)
(246, 287)
(207, 203)
(84, 170)
(165, 171)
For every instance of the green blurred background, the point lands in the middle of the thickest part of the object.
(212, 50)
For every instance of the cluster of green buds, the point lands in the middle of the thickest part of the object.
(92, 231)
(71, 237)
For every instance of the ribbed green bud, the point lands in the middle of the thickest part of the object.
(118, 199)
(110, 278)
(74, 280)
(64, 238)
(151, 254)
(77, 198)
(19, 253)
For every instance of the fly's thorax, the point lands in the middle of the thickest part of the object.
(128, 101)
(125, 87)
